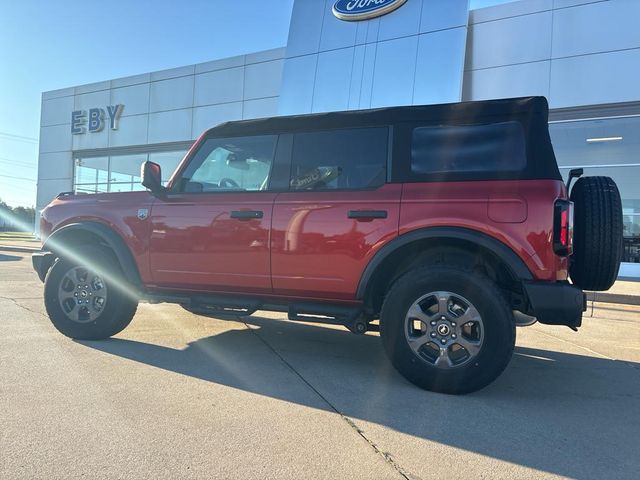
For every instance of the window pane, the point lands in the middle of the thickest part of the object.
(230, 164)
(628, 181)
(92, 188)
(606, 147)
(497, 147)
(339, 159)
(126, 187)
(614, 141)
(119, 173)
(125, 172)
(168, 161)
(91, 171)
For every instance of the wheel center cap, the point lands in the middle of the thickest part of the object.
(443, 329)
(83, 293)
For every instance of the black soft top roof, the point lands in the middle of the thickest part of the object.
(531, 112)
(487, 111)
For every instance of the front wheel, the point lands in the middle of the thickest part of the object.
(447, 329)
(87, 297)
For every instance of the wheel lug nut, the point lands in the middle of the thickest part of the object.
(443, 341)
(433, 334)
(453, 324)
(433, 323)
(454, 336)
(443, 318)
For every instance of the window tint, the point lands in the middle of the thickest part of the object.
(339, 159)
(495, 147)
(230, 164)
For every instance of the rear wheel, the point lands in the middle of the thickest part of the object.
(447, 329)
(597, 240)
(87, 297)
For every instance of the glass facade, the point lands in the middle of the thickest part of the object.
(119, 173)
(606, 147)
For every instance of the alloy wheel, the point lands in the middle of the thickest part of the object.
(444, 329)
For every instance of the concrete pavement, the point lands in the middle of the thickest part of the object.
(19, 245)
(181, 396)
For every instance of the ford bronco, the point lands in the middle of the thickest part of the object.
(441, 226)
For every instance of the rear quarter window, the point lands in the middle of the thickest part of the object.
(482, 149)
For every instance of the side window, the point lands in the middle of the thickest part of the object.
(496, 147)
(230, 164)
(339, 159)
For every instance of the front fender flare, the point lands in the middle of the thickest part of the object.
(56, 243)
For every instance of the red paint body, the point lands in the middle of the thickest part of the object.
(304, 246)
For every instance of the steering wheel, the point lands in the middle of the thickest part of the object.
(228, 183)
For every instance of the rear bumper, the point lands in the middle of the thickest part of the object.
(42, 262)
(556, 303)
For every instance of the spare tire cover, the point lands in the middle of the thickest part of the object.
(597, 237)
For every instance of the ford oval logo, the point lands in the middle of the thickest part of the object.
(352, 10)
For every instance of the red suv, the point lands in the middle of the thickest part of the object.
(441, 226)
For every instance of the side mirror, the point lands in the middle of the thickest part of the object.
(151, 175)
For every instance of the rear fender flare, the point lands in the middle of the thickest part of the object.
(504, 253)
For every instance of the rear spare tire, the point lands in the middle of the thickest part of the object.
(597, 239)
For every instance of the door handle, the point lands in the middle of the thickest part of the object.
(246, 214)
(367, 214)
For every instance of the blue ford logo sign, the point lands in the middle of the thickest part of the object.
(352, 10)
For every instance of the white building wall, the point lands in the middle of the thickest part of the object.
(174, 105)
(412, 55)
(574, 52)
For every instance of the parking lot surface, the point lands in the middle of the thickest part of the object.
(181, 396)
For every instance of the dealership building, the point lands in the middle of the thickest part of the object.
(583, 55)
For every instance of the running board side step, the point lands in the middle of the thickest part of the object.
(350, 317)
(353, 318)
(224, 306)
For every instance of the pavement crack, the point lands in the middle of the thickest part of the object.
(19, 305)
(385, 456)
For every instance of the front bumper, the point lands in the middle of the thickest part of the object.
(556, 303)
(42, 262)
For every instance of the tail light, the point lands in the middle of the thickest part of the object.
(563, 227)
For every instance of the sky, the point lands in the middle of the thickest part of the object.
(47, 45)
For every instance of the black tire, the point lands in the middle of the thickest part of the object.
(488, 300)
(118, 308)
(597, 238)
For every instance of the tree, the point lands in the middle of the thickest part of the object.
(16, 218)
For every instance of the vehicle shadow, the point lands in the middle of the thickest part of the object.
(567, 414)
(9, 258)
